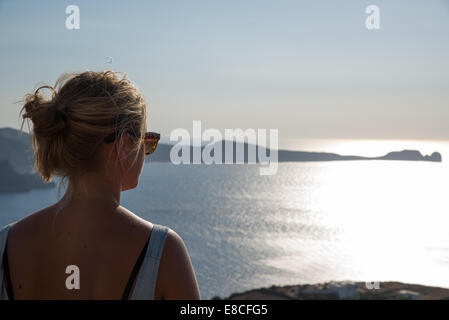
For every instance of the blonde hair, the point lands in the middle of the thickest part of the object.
(83, 110)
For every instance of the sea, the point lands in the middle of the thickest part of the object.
(311, 222)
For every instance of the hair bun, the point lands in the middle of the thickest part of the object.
(49, 119)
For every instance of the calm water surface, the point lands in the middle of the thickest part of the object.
(311, 222)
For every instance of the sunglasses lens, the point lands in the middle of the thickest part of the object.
(150, 146)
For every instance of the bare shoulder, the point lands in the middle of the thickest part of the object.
(175, 250)
(174, 241)
(26, 226)
(176, 276)
(134, 218)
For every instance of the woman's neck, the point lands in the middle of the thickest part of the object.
(90, 189)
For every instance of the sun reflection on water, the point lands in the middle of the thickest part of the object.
(377, 220)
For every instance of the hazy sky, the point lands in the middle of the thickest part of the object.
(309, 68)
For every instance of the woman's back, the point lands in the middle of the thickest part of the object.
(103, 242)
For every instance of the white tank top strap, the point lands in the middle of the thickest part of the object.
(3, 240)
(146, 280)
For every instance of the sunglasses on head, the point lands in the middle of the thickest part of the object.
(150, 140)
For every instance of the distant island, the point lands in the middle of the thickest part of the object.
(344, 290)
(162, 154)
(16, 155)
(16, 163)
(404, 155)
(11, 181)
